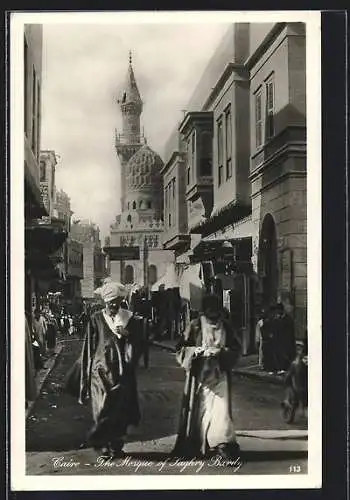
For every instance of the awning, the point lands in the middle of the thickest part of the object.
(46, 239)
(184, 258)
(191, 286)
(233, 250)
(34, 206)
(168, 281)
(222, 216)
(43, 267)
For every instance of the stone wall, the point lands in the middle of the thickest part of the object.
(286, 202)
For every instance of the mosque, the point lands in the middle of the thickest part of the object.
(140, 222)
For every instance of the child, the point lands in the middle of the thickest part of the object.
(296, 384)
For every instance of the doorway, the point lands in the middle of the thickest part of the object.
(267, 265)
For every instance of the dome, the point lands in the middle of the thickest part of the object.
(143, 170)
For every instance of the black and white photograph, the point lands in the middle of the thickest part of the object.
(165, 250)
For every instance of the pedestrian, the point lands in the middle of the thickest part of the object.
(83, 321)
(51, 331)
(40, 327)
(259, 338)
(106, 372)
(284, 339)
(31, 390)
(66, 325)
(71, 326)
(296, 383)
(208, 350)
(268, 341)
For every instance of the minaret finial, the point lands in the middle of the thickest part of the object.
(130, 57)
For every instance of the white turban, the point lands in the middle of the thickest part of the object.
(107, 280)
(112, 290)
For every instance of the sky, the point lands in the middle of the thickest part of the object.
(84, 70)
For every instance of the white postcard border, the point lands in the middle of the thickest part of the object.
(313, 479)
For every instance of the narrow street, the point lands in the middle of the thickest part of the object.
(58, 424)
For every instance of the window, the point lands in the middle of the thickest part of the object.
(169, 220)
(220, 152)
(149, 204)
(129, 275)
(128, 205)
(53, 183)
(34, 112)
(174, 200)
(228, 122)
(134, 205)
(152, 274)
(206, 154)
(193, 153)
(258, 121)
(270, 126)
(26, 87)
(38, 112)
(42, 177)
(189, 159)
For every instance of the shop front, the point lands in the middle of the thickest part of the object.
(41, 263)
(227, 271)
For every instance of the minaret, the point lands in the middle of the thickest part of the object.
(129, 141)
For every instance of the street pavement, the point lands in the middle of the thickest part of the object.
(58, 425)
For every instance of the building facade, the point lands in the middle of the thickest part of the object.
(71, 252)
(278, 168)
(238, 160)
(141, 222)
(62, 208)
(42, 239)
(92, 267)
(47, 175)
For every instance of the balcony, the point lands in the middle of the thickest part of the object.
(290, 140)
(177, 242)
(197, 130)
(175, 235)
(122, 139)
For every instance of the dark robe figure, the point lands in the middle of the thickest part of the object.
(296, 384)
(51, 332)
(105, 375)
(207, 350)
(284, 339)
(30, 383)
(268, 343)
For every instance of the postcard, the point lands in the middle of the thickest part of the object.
(165, 250)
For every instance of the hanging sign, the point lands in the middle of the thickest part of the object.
(122, 253)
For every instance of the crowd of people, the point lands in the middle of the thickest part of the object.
(276, 340)
(105, 374)
(43, 329)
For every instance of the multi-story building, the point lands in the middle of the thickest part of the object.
(93, 261)
(47, 175)
(71, 252)
(74, 269)
(62, 208)
(277, 68)
(141, 220)
(42, 240)
(238, 160)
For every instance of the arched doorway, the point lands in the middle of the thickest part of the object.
(152, 274)
(129, 274)
(267, 266)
